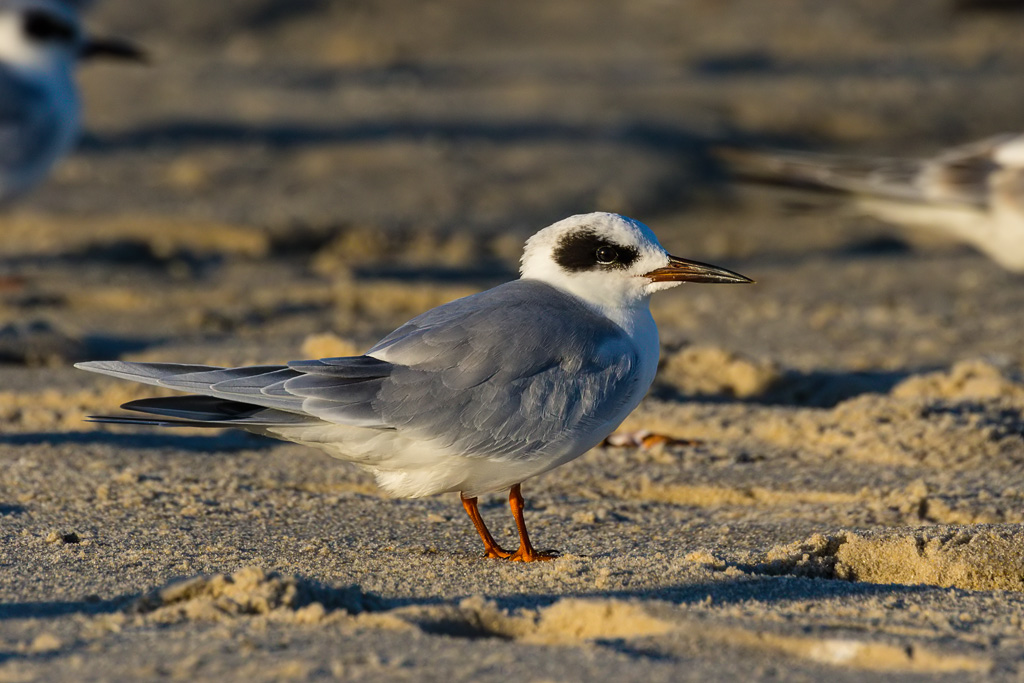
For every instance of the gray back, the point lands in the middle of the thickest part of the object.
(506, 371)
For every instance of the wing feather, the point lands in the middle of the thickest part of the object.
(451, 377)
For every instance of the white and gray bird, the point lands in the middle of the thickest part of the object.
(476, 395)
(973, 193)
(41, 43)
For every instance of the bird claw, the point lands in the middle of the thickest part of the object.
(532, 555)
(520, 555)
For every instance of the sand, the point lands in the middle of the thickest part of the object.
(839, 493)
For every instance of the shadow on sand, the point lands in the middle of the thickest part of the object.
(218, 441)
(815, 389)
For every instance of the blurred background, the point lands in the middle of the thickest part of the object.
(286, 167)
(465, 116)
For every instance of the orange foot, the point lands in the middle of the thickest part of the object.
(531, 555)
(492, 550)
(526, 553)
(496, 552)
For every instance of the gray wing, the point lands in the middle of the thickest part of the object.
(28, 130)
(501, 374)
(959, 175)
(505, 372)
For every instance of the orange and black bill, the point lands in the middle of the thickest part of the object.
(684, 270)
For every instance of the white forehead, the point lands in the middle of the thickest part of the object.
(1011, 152)
(611, 226)
(26, 56)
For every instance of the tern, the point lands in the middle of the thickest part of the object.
(973, 193)
(41, 43)
(474, 396)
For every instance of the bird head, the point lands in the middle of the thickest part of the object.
(46, 37)
(611, 261)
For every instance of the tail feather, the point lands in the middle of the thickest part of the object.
(143, 373)
(203, 411)
(149, 422)
(204, 379)
(338, 390)
(243, 385)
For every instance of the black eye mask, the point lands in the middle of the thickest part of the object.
(43, 27)
(586, 250)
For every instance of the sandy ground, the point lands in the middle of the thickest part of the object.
(846, 499)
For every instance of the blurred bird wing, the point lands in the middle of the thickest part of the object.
(959, 175)
(966, 174)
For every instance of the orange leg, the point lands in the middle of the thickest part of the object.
(526, 553)
(490, 545)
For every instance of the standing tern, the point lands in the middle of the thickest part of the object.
(973, 193)
(41, 43)
(474, 396)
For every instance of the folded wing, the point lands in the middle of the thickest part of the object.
(499, 374)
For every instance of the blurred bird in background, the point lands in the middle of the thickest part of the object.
(41, 44)
(973, 193)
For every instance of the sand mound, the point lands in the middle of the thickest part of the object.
(971, 415)
(253, 592)
(985, 557)
(574, 621)
(972, 558)
(853, 654)
(250, 591)
(474, 617)
(936, 432)
(971, 379)
(568, 621)
(712, 371)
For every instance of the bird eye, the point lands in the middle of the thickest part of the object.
(45, 27)
(607, 255)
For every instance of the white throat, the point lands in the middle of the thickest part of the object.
(631, 313)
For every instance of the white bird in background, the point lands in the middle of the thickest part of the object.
(476, 395)
(41, 43)
(973, 193)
